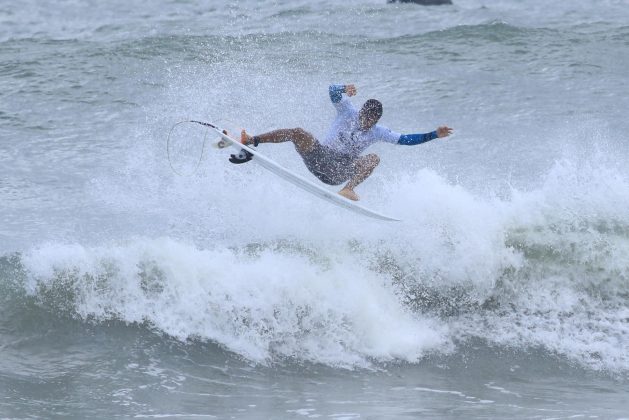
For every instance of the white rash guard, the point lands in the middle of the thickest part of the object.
(345, 135)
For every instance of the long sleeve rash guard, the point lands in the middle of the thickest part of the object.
(345, 135)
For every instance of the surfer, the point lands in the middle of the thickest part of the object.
(338, 158)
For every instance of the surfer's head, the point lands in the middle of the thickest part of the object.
(369, 114)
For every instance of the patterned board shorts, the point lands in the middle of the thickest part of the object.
(330, 166)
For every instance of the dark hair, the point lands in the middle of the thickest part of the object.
(373, 108)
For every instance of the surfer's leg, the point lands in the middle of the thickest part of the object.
(304, 141)
(364, 166)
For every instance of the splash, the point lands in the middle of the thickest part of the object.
(263, 304)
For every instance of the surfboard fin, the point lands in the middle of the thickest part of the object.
(242, 157)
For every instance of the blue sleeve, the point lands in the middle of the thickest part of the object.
(414, 139)
(336, 93)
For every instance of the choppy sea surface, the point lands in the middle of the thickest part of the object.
(127, 290)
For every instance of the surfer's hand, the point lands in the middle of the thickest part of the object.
(444, 131)
(350, 90)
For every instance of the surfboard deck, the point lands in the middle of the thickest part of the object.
(297, 180)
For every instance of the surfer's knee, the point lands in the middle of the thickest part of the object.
(372, 160)
(367, 163)
(303, 140)
(299, 134)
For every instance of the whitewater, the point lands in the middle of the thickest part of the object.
(127, 290)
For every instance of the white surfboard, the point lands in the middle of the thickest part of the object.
(298, 180)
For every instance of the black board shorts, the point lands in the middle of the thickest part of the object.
(330, 166)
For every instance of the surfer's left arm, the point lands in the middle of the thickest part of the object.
(415, 139)
(412, 139)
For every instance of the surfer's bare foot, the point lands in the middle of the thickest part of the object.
(245, 138)
(349, 194)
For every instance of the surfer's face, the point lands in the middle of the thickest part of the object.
(369, 114)
(367, 119)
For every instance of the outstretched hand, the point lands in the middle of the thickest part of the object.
(350, 90)
(444, 131)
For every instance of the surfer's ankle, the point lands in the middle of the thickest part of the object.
(248, 140)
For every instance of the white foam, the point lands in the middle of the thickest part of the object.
(276, 304)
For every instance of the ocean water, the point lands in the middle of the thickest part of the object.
(129, 291)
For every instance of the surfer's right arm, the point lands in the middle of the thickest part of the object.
(337, 91)
(336, 95)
